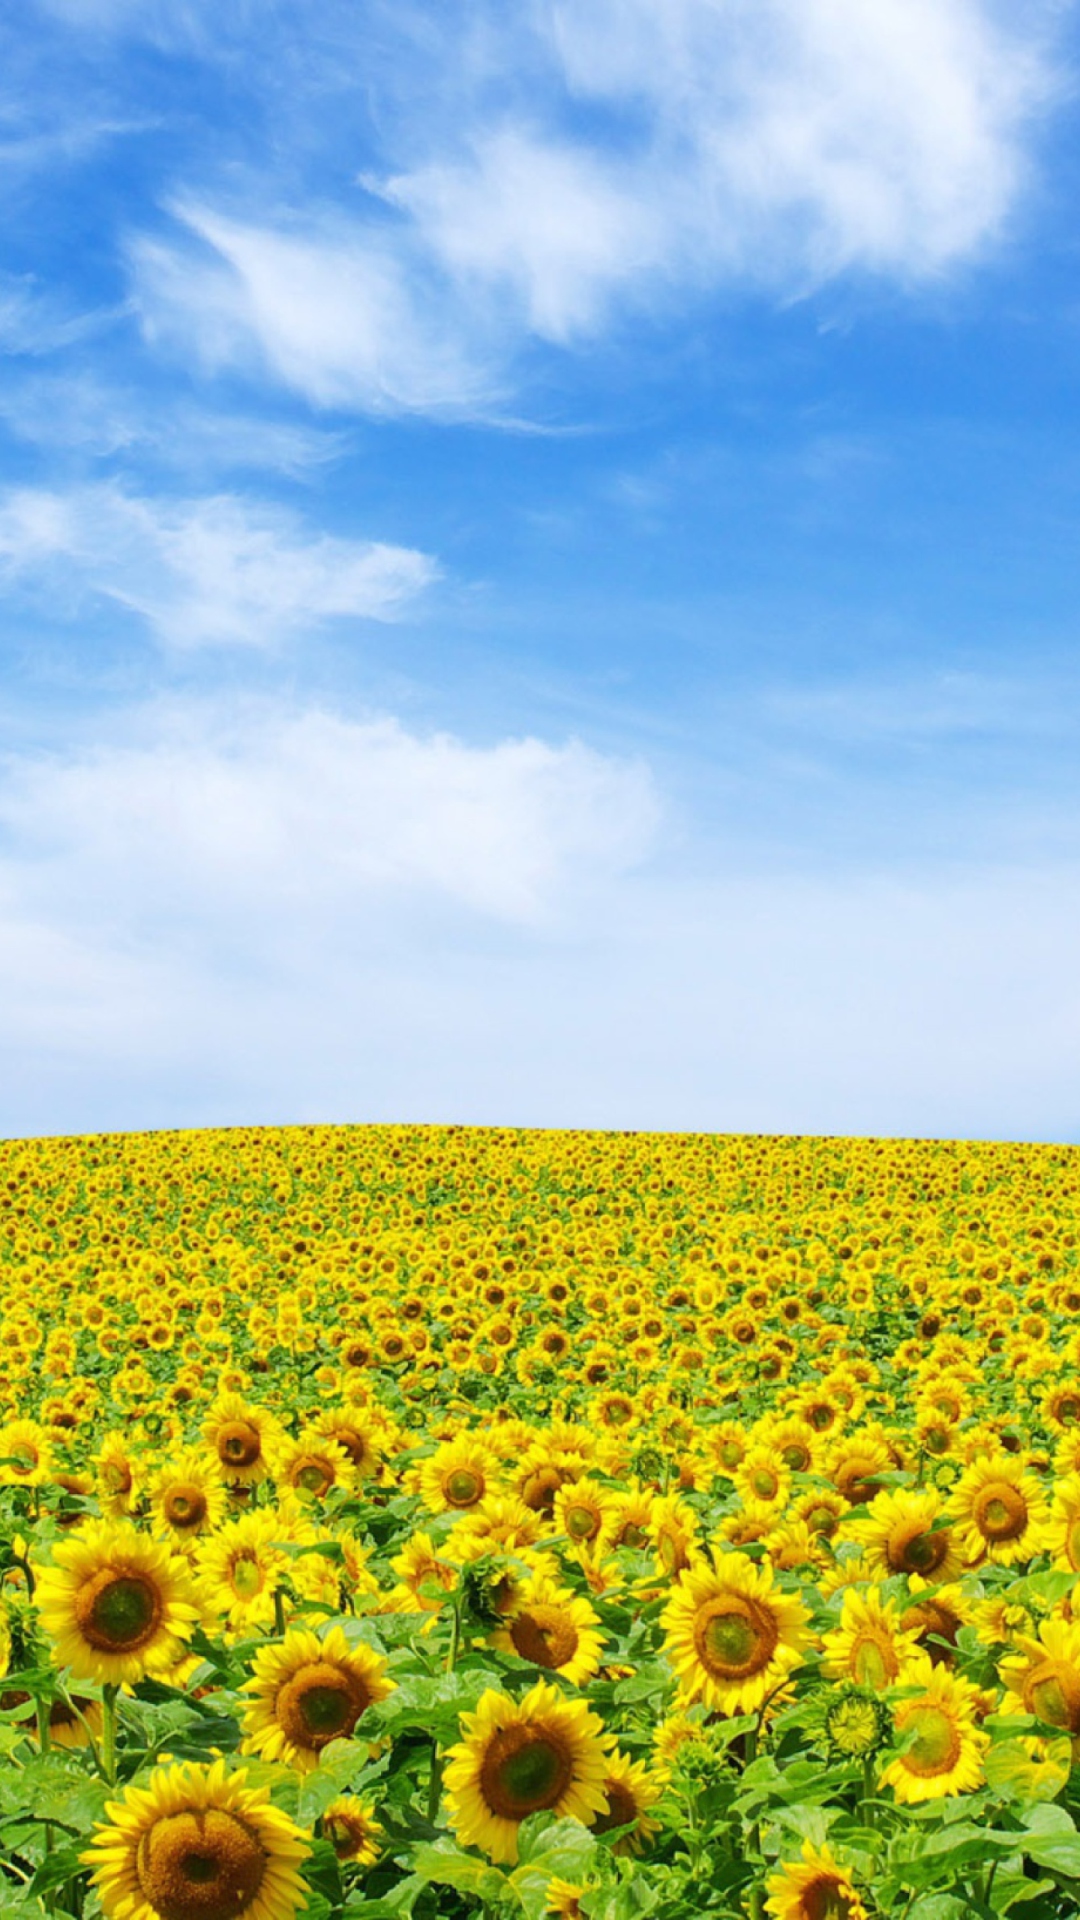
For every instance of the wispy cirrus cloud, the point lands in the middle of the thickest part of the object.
(219, 570)
(658, 155)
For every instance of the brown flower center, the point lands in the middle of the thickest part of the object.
(622, 1808)
(320, 1703)
(922, 1552)
(312, 1473)
(873, 1660)
(545, 1635)
(734, 1636)
(525, 1770)
(824, 1899)
(463, 1487)
(247, 1577)
(238, 1444)
(185, 1507)
(1000, 1511)
(117, 1611)
(200, 1865)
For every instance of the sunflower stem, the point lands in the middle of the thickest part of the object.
(434, 1785)
(866, 1804)
(279, 1612)
(44, 1739)
(109, 1694)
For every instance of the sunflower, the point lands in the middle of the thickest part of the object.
(311, 1465)
(761, 1477)
(899, 1536)
(935, 1616)
(816, 1887)
(187, 1497)
(869, 1646)
(241, 1436)
(420, 1571)
(25, 1454)
(626, 1519)
(1044, 1677)
(308, 1692)
(630, 1791)
(1000, 1510)
(241, 1567)
(542, 1754)
(459, 1475)
(118, 1476)
(1063, 1529)
(943, 1746)
(732, 1634)
(552, 1628)
(197, 1844)
(502, 1521)
(74, 1721)
(673, 1531)
(350, 1825)
(115, 1604)
(581, 1511)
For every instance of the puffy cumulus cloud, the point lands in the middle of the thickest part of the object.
(655, 154)
(216, 570)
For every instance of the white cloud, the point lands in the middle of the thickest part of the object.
(726, 143)
(311, 917)
(217, 570)
(275, 823)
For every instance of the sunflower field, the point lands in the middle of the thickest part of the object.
(435, 1522)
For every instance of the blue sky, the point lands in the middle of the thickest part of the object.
(538, 556)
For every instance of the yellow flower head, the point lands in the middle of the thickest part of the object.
(541, 1754)
(732, 1634)
(115, 1604)
(941, 1745)
(550, 1626)
(308, 1692)
(1044, 1677)
(869, 1646)
(1000, 1510)
(197, 1844)
(355, 1834)
(816, 1887)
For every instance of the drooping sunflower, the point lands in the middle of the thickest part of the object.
(732, 1634)
(241, 1436)
(541, 1754)
(816, 1887)
(631, 1790)
(241, 1566)
(187, 1497)
(307, 1692)
(553, 1628)
(626, 1520)
(421, 1573)
(869, 1646)
(197, 1844)
(1043, 1678)
(899, 1536)
(118, 1476)
(355, 1834)
(1000, 1510)
(945, 1749)
(116, 1604)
